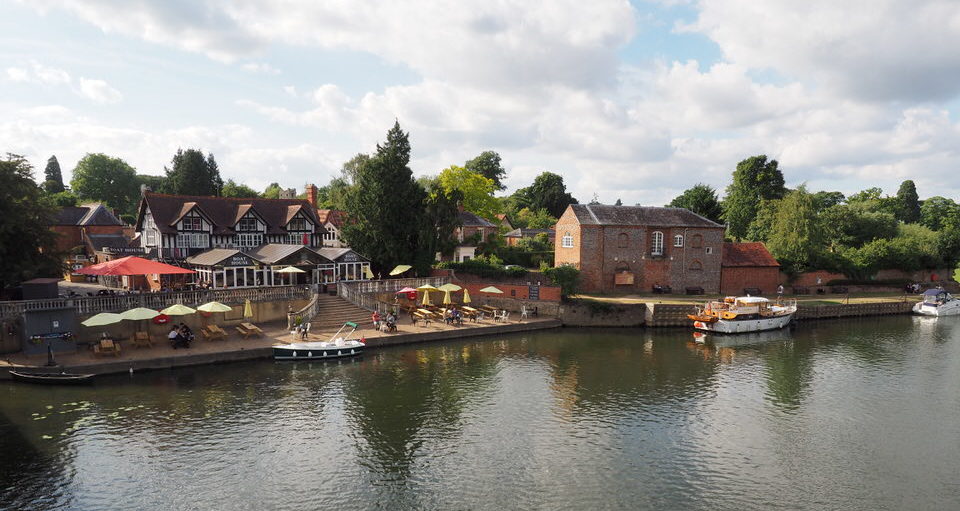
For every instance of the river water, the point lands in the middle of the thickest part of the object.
(860, 414)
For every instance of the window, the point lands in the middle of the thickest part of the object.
(678, 240)
(247, 223)
(696, 266)
(151, 237)
(623, 240)
(191, 223)
(248, 240)
(192, 240)
(566, 241)
(296, 238)
(696, 241)
(709, 250)
(656, 247)
(297, 224)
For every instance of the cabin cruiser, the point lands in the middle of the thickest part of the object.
(337, 347)
(937, 302)
(743, 314)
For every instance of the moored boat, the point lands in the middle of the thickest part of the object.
(937, 302)
(337, 347)
(52, 378)
(743, 314)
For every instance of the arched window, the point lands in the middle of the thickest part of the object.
(623, 240)
(567, 240)
(656, 247)
(696, 266)
(696, 241)
(678, 240)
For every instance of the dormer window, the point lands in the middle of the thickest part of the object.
(297, 224)
(247, 223)
(192, 223)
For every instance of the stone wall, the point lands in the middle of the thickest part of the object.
(589, 313)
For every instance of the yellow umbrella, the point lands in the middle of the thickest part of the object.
(426, 298)
(427, 287)
(446, 297)
(368, 272)
(400, 269)
(214, 307)
(178, 310)
(491, 289)
(247, 309)
(449, 287)
(466, 296)
(104, 318)
(290, 269)
(139, 313)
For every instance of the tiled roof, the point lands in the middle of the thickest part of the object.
(747, 254)
(600, 214)
(98, 241)
(468, 219)
(213, 256)
(529, 233)
(336, 253)
(224, 212)
(333, 216)
(87, 214)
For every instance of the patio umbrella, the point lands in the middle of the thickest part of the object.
(449, 287)
(139, 314)
(214, 307)
(368, 272)
(247, 309)
(446, 297)
(406, 290)
(291, 269)
(102, 319)
(491, 289)
(178, 310)
(132, 265)
(400, 269)
(426, 298)
(466, 296)
(427, 287)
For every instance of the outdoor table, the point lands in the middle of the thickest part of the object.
(142, 340)
(107, 347)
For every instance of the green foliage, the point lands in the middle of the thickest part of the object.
(539, 219)
(240, 191)
(489, 267)
(908, 203)
(702, 200)
(856, 224)
(439, 219)
(755, 179)
(795, 237)
(334, 195)
(155, 183)
(475, 189)
(272, 191)
(764, 220)
(348, 173)
(823, 200)
(915, 247)
(64, 199)
(547, 192)
(565, 276)
(948, 246)
(101, 178)
(191, 173)
(27, 244)
(53, 177)
(939, 212)
(487, 164)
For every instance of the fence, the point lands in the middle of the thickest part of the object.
(119, 303)
(364, 294)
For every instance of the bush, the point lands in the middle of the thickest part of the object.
(486, 267)
(566, 276)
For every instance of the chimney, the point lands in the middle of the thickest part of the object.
(312, 195)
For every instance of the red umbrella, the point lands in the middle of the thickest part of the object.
(132, 265)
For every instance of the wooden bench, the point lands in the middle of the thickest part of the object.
(107, 347)
(662, 290)
(142, 340)
(694, 290)
(248, 329)
(213, 333)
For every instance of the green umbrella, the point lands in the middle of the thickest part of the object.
(449, 287)
(214, 307)
(140, 313)
(104, 318)
(178, 310)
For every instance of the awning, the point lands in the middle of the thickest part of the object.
(132, 265)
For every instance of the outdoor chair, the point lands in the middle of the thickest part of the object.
(524, 312)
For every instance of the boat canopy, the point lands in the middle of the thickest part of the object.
(933, 292)
(752, 299)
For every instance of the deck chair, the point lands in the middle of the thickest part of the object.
(524, 312)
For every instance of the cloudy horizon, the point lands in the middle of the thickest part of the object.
(626, 100)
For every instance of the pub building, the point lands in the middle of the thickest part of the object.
(229, 268)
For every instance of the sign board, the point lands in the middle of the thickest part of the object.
(350, 257)
(238, 260)
(533, 292)
(623, 278)
(123, 250)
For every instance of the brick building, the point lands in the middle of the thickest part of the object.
(633, 248)
(472, 230)
(748, 266)
(72, 224)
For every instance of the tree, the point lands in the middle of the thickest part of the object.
(191, 173)
(487, 164)
(438, 221)
(565, 276)
(475, 190)
(272, 191)
(754, 180)
(547, 192)
(350, 168)
(101, 178)
(764, 220)
(538, 219)
(618, 203)
(334, 194)
(233, 189)
(53, 182)
(155, 183)
(908, 203)
(795, 238)
(64, 199)
(939, 212)
(702, 200)
(385, 205)
(27, 244)
(823, 200)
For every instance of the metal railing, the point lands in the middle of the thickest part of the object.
(364, 294)
(118, 303)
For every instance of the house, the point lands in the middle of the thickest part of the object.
(71, 223)
(504, 221)
(634, 248)
(178, 226)
(332, 220)
(513, 237)
(748, 266)
(472, 230)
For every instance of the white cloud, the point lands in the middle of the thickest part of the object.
(39, 74)
(260, 67)
(99, 91)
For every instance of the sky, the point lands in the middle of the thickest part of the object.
(626, 100)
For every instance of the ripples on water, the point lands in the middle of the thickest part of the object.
(839, 415)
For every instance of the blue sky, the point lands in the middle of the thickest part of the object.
(636, 101)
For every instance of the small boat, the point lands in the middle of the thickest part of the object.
(337, 347)
(743, 314)
(937, 302)
(60, 378)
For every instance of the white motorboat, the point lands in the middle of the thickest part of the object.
(743, 314)
(937, 302)
(337, 347)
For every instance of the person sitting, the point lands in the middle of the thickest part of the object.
(457, 316)
(186, 332)
(391, 322)
(176, 338)
(657, 289)
(376, 320)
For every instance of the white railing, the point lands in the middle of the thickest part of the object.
(157, 301)
(364, 294)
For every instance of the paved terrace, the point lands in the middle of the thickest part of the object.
(235, 347)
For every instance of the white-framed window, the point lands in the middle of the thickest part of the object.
(296, 238)
(192, 240)
(191, 223)
(151, 237)
(247, 223)
(656, 246)
(248, 240)
(709, 250)
(567, 240)
(297, 224)
(678, 240)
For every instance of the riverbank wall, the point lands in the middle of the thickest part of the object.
(671, 315)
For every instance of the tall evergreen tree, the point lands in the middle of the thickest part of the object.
(487, 164)
(385, 205)
(702, 200)
(754, 180)
(27, 245)
(192, 173)
(908, 203)
(53, 178)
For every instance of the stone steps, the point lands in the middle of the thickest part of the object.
(335, 311)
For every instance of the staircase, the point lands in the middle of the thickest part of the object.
(334, 311)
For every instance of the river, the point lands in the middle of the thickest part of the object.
(857, 414)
